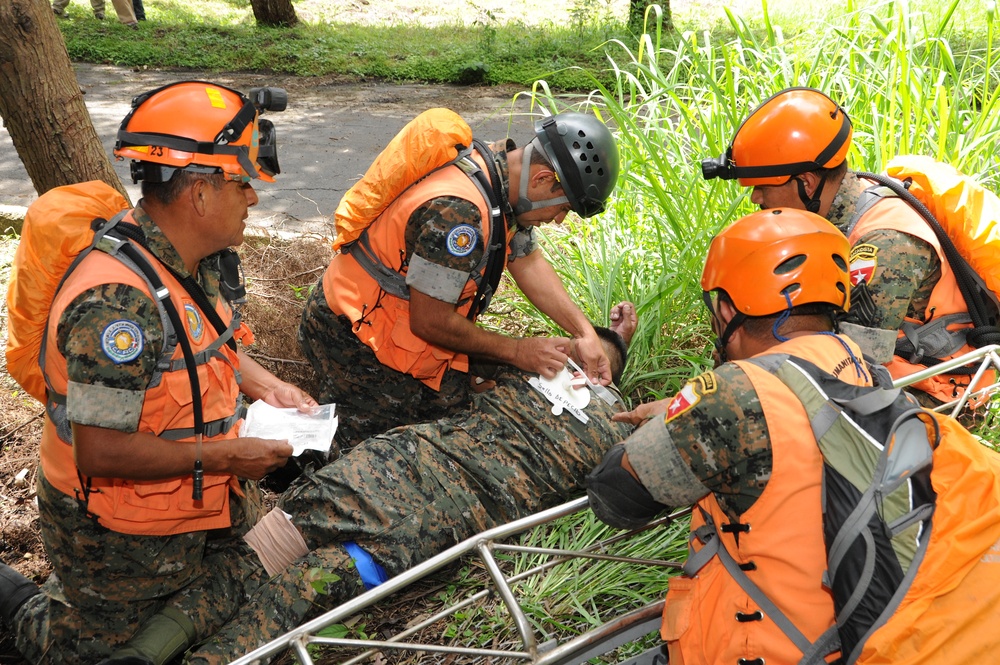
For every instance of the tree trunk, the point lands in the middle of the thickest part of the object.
(279, 13)
(41, 103)
(637, 14)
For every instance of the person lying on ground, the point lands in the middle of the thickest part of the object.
(404, 496)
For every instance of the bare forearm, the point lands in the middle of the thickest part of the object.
(107, 453)
(257, 381)
(439, 323)
(541, 285)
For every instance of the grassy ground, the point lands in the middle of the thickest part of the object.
(451, 41)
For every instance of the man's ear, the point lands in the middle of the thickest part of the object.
(196, 195)
(545, 179)
(811, 180)
(726, 311)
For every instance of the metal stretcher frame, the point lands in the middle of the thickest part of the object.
(987, 357)
(597, 641)
(610, 635)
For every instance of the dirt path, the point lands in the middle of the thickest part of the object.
(327, 137)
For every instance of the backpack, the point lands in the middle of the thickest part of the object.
(435, 139)
(902, 542)
(57, 228)
(964, 216)
(60, 229)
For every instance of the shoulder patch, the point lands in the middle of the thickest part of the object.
(864, 260)
(461, 240)
(707, 383)
(690, 395)
(195, 324)
(122, 341)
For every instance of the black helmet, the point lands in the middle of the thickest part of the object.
(584, 155)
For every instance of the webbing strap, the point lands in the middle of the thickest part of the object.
(212, 428)
(932, 340)
(388, 279)
(206, 354)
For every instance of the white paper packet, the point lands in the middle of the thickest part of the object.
(305, 431)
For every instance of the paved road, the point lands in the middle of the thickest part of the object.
(326, 139)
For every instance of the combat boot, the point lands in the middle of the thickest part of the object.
(15, 589)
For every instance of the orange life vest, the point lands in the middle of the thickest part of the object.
(946, 298)
(709, 618)
(161, 507)
(352, 292)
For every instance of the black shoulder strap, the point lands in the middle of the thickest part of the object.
(498, 234)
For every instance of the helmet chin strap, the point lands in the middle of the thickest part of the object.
(722, 341)
(812, 204)
(524, 204)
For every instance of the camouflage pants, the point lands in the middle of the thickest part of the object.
(106, 584)
(404, 497)
(370, 397)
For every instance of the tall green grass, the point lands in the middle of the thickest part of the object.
(906, 86)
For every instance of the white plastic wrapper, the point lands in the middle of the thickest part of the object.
(305, 431)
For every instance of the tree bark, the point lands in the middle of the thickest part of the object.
(279, 13)
(41, 103)
(637, 14)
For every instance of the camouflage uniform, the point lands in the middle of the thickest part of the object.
(907, 270)
(106, 584)
(370, 397)
(410, 493)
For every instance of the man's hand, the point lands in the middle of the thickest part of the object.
(543, 355)
(592, 358)
(286, 396)
(624, 320)
(254, 458)
(642, 413)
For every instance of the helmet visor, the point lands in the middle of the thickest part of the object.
(588, 207)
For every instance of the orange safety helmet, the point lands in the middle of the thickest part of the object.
(775, 259)
(201, 127)
(795, 131)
